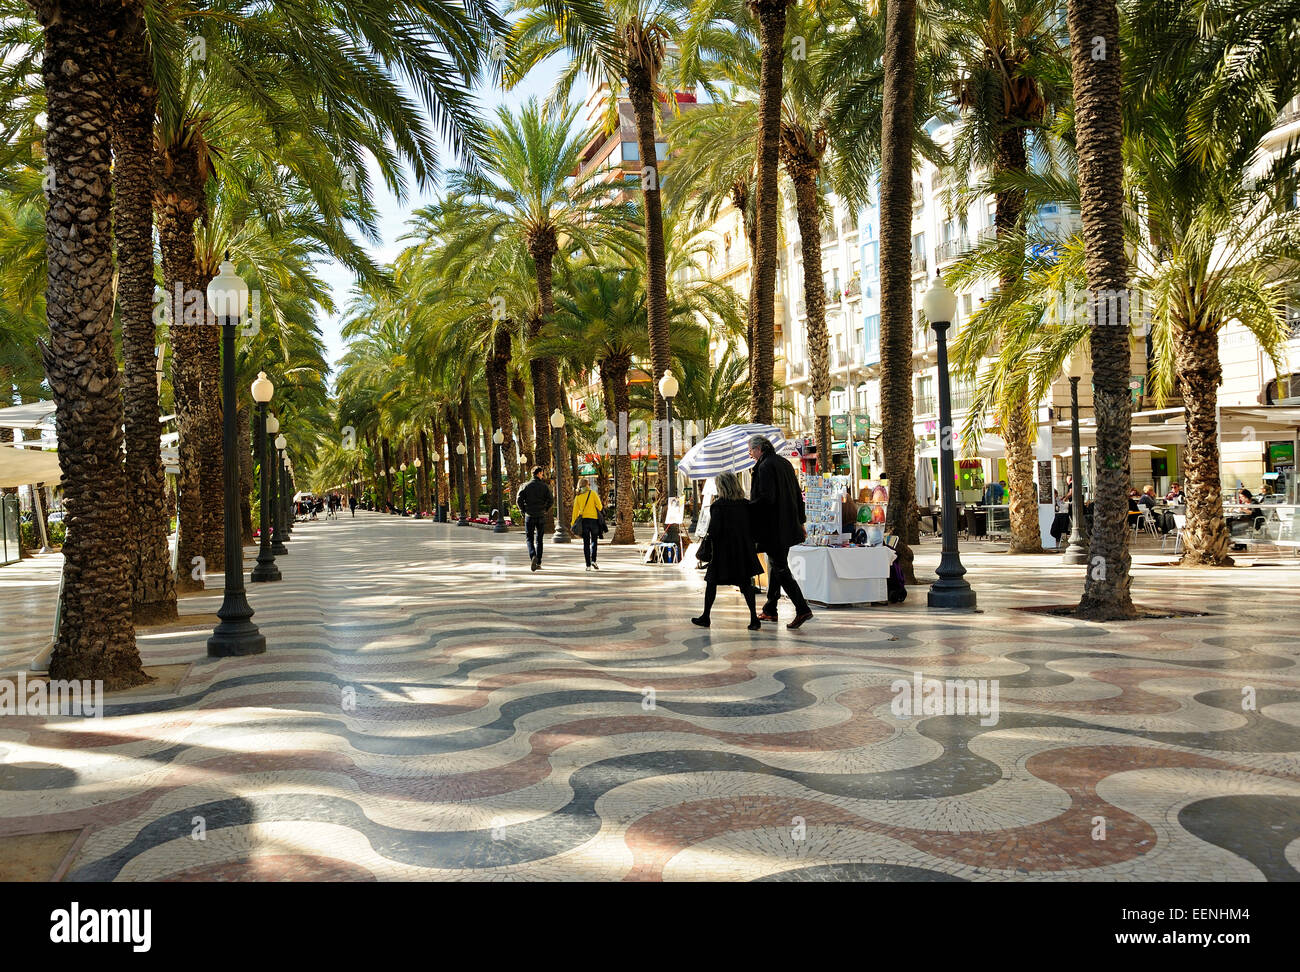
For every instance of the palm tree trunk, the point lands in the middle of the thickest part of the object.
(642, 83)
(624, 528)
(439, 481)
(422, 474)
(500, 391)
(541, 414)
(1100, 138)
(1019, 426)
(1206, 539)
(96, 639)
(896, 274)
(803, 173)
(471, 479)
(153, 588)
(771, 24)
(178, 201)
(519, 391)
(388, 477)
(244, 437)
(1026, 535)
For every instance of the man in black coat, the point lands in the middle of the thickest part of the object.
(778, 517)
(535, 499)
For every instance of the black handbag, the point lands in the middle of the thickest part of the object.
(600, 523)
(705, 553)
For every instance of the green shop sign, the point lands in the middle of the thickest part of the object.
(839, 426)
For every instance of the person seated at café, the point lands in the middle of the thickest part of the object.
(1246, 519)
(1148, 501)
(1175, 495)
(993, 494)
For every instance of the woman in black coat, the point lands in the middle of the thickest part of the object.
(732, 559)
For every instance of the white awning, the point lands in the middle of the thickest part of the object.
(33, 415)
(21, 467)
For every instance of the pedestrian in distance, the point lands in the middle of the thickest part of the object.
(535, 499)
(587, 508)
(728, 547)
(352, 505)
(776, 504)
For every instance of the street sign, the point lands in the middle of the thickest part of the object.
(862, 426)
(840, 427)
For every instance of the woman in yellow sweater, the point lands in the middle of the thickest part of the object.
(587, 507)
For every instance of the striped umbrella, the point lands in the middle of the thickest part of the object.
(727, 450)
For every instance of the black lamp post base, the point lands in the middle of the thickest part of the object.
(236, 634)
(462, 522)
(951, 594)
(561, 535)
(501, 526)
(264, 572)
(279, 549)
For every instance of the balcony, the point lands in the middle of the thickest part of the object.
(800, 308)
(919, 265)
(854, 289)
(797, 370)
(950, 250)
(925, 405)
(869, 353)
(833, 295)
(986, 233)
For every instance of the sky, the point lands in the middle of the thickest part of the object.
(393, 213)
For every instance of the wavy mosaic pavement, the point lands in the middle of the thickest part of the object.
(428, 708)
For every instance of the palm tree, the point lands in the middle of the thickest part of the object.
(96, 639)
(1220, 231)
(623, 45)
(1094, 27)
(898, 91)
(600, 323)
(1009, 55)
(525, 195)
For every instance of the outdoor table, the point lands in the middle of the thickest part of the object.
(976, 522)
(842, 575)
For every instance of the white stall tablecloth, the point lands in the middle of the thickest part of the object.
(842, 575)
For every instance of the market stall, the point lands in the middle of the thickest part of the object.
(842, 575)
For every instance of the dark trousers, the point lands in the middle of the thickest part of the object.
(589, 538)
(780, 579)
(534, 524)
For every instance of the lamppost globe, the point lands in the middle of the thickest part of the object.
(460, 448)
(557, 419)
(939, 302)
(280, 443)
(822, 408)
(668, 386)
(402, 467)
(262, 389)
(498, 437)
(227, 293)
(272, 425)
(416, 463)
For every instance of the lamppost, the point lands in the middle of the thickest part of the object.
(951, 589)
(419, 507)
(460, 482)
(286, 498)
(822, 409)
(391, 473)
(236, 634)
(668, 388)
(560, 455)
(1077, 551)
(498, 461)
(276, 506)
(402, 470)
(265, 570)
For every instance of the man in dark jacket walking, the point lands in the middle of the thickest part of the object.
(778, 517)
(535, 499)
